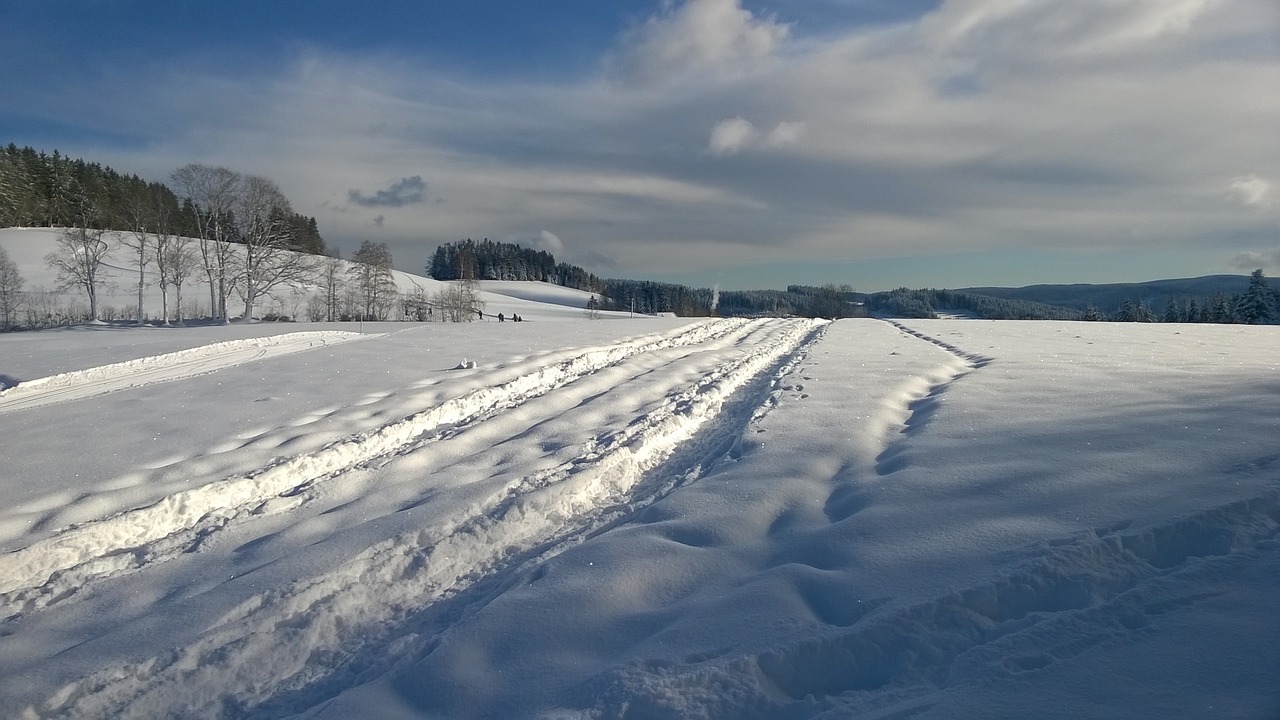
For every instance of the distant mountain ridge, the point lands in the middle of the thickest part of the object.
(1108, 297)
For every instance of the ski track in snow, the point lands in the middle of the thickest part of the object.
(908, 407)
(54, 569)
(286, 639)
(202, 360)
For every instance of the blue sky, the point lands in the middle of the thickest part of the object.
(747, 144)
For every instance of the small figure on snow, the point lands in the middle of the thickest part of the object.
(501, 318)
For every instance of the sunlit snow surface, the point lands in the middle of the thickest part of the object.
(650, 518)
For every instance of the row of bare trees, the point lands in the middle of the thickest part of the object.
(244, 243)
(244, 246)
(245, 235)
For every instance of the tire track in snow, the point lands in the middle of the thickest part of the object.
(57, 567)
(1100, 588)
(285, 640)
(910, 405)
(179, 365)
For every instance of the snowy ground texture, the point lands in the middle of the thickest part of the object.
(650, 518)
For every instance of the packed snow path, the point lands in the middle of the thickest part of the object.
(80, 384)
(667, 388)
(150, 534)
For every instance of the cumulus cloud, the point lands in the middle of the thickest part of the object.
(698, 36)
(734, 135)
(1253, 190)
(406, 191)
(730, 136)
(1110, 148)
(786, 133)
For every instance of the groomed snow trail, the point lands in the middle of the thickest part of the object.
(81, 384)
(58, 567)
(294, 635)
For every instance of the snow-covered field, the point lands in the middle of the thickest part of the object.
(648, 518)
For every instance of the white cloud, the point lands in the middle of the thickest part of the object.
(1044, 28)
(786, 133)
(698, 36)
(1253, 190)
(958, 131)
(730, 136)
(548, 242)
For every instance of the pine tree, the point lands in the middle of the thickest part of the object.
(1254, 306)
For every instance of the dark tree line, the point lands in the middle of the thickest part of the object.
(488, 260)
(644, 296)
(53, 190)
(1259, 304)
(904, 302)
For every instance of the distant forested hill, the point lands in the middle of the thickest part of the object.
(1110, 298)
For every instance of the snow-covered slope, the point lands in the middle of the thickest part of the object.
(650, 518)
(27, 247)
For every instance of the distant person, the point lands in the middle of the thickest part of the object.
(501, 318)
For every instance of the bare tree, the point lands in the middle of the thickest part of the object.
(332, 285)
(371, 273)
(141, 217)
(265, 261)
(10, 290)
(212, 194)
(176, 261)
(78, 259)
(459, 302)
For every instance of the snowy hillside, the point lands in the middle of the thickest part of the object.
(655, 518)
(27, 248)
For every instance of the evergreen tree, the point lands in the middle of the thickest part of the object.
(1254, 306)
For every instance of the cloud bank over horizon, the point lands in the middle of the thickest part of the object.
(974, 142)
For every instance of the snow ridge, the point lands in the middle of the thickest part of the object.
(57, 567)
(161, 368)
(907, 408)
(287, 639)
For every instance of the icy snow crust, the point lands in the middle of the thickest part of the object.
(646, 519)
